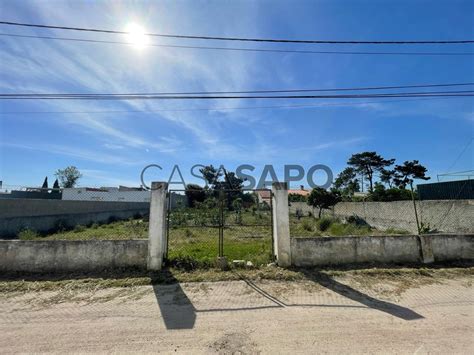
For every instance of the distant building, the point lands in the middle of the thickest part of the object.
(120, 194)
(32, 193)
(449, 190)
(264, 196)
(301, 191)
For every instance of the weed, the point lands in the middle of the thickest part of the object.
(28, 234)
(79, 228)
(307, 225)
(324, 223)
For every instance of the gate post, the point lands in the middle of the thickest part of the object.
(157, 226)
(281, 223)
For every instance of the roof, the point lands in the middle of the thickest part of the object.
(299, 192)
(264, 194)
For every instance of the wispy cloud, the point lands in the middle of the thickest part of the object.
(84, 154)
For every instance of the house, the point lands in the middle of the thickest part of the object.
(264, 196)
(300, 192)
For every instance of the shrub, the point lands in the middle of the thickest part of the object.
(425, 228)
(307, 225)
(324, 223)
(356, 220)
(28, 234)
(79, 228)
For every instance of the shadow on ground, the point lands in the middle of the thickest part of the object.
(371, 302)
(176, 308)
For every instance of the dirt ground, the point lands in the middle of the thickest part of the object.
(341, 315)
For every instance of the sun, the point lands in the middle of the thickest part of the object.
(136, 35)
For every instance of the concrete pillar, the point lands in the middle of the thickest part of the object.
(281, 223)
(157, 226)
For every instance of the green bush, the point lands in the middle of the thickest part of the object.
(356, 220)
(324, 223)
(28, 234)
(79, 228)
(307, 225)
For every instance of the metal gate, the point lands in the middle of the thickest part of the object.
(204, 224)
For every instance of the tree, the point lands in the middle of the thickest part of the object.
(346, 182)
(409, 171)
(380, 193)
(45, 183)
(68, 176)
(297, 198)
(369, 163)
(194, 193)
(56, 184)
(213, 178)
(322, 199)
(387, 176)
(405, 174)
(210, 174)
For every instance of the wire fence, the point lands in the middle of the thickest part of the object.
(33, 213)
(232, 223)
(236, 224)
(453, 214)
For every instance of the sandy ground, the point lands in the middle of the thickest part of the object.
(244, 317)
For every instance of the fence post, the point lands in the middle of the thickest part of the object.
(157, 226)
(281, 223)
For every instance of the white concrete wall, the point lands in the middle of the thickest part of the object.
(321, 251)
(67, 255)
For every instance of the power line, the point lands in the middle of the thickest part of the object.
(464, 93)
(461, 154)
(241, 39)
(237, 49)
(254, 91)
(224, 108)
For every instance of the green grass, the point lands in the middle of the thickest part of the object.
(202, 243)
(332, 227)
(194, 234)
(128, 229)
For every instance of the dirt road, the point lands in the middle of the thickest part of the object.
(244, 317)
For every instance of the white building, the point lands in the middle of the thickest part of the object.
(120, 194)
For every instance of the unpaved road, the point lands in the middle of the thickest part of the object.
(243, 317)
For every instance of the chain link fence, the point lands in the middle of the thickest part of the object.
(452, 214)
(232, 223)
(32, 213)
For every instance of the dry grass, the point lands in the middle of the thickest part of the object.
(392, 281)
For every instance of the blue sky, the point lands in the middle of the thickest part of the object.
(111, 148)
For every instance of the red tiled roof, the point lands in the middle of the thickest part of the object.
(264, 194)
(299, 192)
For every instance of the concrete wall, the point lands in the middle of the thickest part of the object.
(62, 255)
(378, 249)
(449, 216)
(44, 215)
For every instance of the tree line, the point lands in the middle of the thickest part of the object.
(392, 184)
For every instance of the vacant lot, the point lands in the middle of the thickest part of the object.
(194, 233)
(366, 311)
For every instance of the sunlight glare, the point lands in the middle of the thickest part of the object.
(136, 35)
